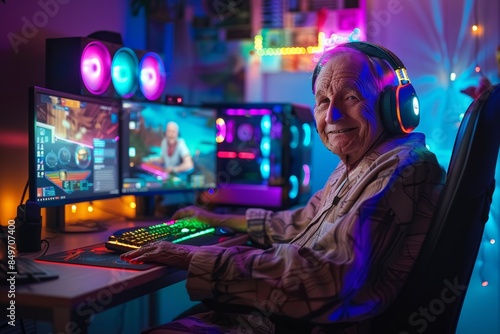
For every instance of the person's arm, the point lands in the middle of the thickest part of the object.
(266, 227)
(236, 222)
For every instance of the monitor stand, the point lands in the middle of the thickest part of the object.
(146, 209)
(55, 221)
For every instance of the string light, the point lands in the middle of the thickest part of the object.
(475, 31)
(323, 44)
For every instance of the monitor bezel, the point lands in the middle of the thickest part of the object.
(33, 92)
(125, 157)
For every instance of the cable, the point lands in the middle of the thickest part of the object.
(45, 241)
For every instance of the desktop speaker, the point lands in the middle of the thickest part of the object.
(28, 227)
(79, 65)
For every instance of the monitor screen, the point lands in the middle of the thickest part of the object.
(167, 148)
(73, 147)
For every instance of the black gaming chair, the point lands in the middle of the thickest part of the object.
(433, 296)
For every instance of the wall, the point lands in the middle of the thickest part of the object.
(25, 26)
(434, 38)
(23, 29)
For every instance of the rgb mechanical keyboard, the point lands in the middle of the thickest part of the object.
(188, 231)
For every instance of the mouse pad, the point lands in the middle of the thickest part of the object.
(96, 255)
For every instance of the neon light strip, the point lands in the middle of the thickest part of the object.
(307, 134)
(294, 187)
(243, 112)
(307, 175)
(246, 155)
(226, 154)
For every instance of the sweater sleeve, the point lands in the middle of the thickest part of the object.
(266, 227)
(347, 269)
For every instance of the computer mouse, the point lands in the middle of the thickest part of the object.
(224, 231)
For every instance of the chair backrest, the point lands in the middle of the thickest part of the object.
(434, 293)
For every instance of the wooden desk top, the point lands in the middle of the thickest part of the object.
(78, 285)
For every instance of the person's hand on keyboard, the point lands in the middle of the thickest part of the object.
(164, 252)
(236, 222)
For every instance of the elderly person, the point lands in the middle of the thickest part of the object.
(343, 257)
(174, 151)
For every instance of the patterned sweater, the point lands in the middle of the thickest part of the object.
(345, 255)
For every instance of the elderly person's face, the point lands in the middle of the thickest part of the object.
(347, 119)
(172, 133)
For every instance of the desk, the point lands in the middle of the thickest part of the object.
(82, 291)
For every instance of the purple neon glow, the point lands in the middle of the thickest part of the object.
(230, 131)
(251, 112)
(152, 76)
(95, 68)
(307, 175)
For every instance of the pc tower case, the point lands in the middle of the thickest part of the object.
(263, 155)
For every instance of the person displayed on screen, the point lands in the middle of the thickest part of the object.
(332, 265)
(175, 155)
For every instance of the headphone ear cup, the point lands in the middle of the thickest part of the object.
(399, 109)
(408, 108)
(388, 112)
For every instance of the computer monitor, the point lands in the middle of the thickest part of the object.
(73, 152)
(151, 166)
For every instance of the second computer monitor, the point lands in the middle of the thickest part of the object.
(167, 148)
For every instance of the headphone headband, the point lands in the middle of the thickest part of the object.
(371, 50)
(377, 51)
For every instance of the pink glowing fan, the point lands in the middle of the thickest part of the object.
(95, 68)
(152, 76)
